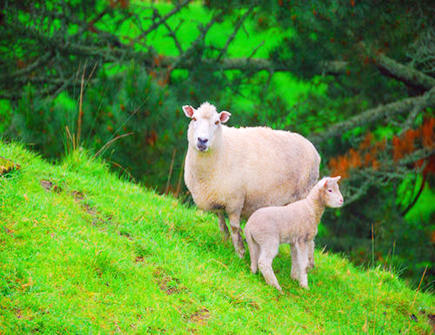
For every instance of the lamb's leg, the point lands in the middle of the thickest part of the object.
(311, 255)
(267, 254)
(235, 233)
(294, 272)
(223, 226)
(302, 262)
(254, 250)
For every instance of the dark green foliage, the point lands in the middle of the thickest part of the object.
(129, 102)
(132, 98)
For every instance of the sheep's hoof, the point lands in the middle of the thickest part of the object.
(241, 254)
(225, 237)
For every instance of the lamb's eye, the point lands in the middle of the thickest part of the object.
(194, 118)
(216, 123)
(329, 190)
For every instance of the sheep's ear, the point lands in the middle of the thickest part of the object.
(325, 184)
(188, 110)
(336, 179)
(224, 116)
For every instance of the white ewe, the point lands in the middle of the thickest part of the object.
(240, 170)
(295, 224)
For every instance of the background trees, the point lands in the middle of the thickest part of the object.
(357, 78)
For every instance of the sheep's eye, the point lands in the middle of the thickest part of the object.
(329, 190)
(216, 123)
(194, 118)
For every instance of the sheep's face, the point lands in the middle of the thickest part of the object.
(205, 125)
(331, 192)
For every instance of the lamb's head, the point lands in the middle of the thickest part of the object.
(205, 126)
(330, 192)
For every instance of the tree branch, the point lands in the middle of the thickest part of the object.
(233, 35)
(367, 177)
(406, 74)
(156, 24)
(377, 113)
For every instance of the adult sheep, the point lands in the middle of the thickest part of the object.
(239, 170)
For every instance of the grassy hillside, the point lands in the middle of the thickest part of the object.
(82, 251)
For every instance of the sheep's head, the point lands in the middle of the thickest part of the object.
(330, 192)
(205, 125)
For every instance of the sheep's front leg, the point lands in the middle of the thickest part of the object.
(236, 233)
(223, 226)
(294, 272)
(302, 262)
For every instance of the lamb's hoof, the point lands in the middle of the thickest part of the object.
(240, 253)
(279, 289)
(304, 286)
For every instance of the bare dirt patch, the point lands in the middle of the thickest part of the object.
(167, 283)
(200, 316)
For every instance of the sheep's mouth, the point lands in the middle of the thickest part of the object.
(201, 147)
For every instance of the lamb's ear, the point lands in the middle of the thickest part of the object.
(224, 116)
(324, 182)
(336, 179)
(188, 110)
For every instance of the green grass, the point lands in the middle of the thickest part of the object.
(87, 252)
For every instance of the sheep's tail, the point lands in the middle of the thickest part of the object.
(254, 249)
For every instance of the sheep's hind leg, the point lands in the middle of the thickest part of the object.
(267, 254)
(254, 250)
(311, 255)
(223, 226)
(235, 234)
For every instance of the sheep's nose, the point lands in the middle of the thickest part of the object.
(202, 140)
(341, 200)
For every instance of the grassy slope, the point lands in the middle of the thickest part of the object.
(98, 254)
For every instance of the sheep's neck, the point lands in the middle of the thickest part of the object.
(316, 204)
(204, 163)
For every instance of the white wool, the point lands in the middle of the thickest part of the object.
(243, 169)
(295, 224)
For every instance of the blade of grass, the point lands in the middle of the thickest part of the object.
(109, 143)
(171, 167)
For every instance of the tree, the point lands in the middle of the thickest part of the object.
(375, 61)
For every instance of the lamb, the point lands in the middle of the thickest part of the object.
(239, 170)
(295, 224)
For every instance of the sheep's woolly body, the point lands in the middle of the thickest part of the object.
(255, 167)
(295, 224)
